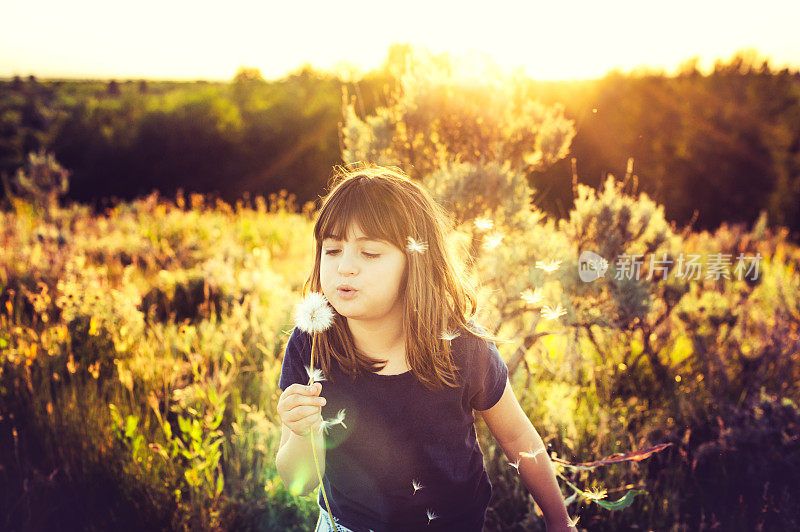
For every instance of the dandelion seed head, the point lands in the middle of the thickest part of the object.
(431, 515)
(549, 313)
(492, 241)
(416, 247)
(596, 494)
(484, 224)
(533, 455)
(313, 314)
(315, 376)
(532, 297)
(328, 423)
(416, 485)
(449, 335)
(549, 266)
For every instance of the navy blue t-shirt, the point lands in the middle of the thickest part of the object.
(398, 432)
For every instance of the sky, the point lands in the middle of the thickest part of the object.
(560, 39)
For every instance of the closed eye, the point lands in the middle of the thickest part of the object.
(368, 255)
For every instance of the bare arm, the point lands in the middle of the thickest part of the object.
(301, 415)
(514, 432)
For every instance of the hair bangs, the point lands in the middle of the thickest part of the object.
(363, 201)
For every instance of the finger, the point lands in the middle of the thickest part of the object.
(312, 389)
(302, 389)
(302, 412)
(296, 400)
(309, 423)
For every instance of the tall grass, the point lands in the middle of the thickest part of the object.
(140, 352)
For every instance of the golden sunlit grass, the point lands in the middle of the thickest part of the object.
(148, 344)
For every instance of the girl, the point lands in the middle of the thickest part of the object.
(403, 366)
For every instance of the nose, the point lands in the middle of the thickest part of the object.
(347, 264)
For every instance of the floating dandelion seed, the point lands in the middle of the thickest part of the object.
(514, 464)
(553, 313)
(549, 266)
(313, 314)
(328, 423)
(449, 336)
(571, 522)
(431, 516)
(416, 247)
(416, 485)
(532, 297)
(492, 241)
(314, 376)
(595, 494)
(484, 224)
(532, 455)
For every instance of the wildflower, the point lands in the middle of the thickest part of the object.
(328, 423)
(531, 455)
(549, 266)
(532, 297)
(449, 336)
(553, 313)
(571, 522)
(431, 516)
(313, 314)
(416, 247)
(416, 485)
(492, 241)
(484, 224)
(314, 376)
(514, 464)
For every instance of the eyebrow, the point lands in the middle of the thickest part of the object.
(358, 239)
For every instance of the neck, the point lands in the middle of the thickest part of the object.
(382, 340)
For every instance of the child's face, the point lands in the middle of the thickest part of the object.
(373, 268)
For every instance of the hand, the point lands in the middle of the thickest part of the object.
(300, 408)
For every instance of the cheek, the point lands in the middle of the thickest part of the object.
(324, 267)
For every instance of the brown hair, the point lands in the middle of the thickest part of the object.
(438, 297)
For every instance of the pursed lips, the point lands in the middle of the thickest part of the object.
(346, 292)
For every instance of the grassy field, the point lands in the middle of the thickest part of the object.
(140, 352)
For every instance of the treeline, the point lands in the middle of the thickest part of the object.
(711, 148)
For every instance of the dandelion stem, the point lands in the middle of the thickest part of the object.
(314, 447)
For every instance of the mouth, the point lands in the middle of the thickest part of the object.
(346, 291)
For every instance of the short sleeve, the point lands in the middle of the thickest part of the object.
(295, 359)
(488, 375)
